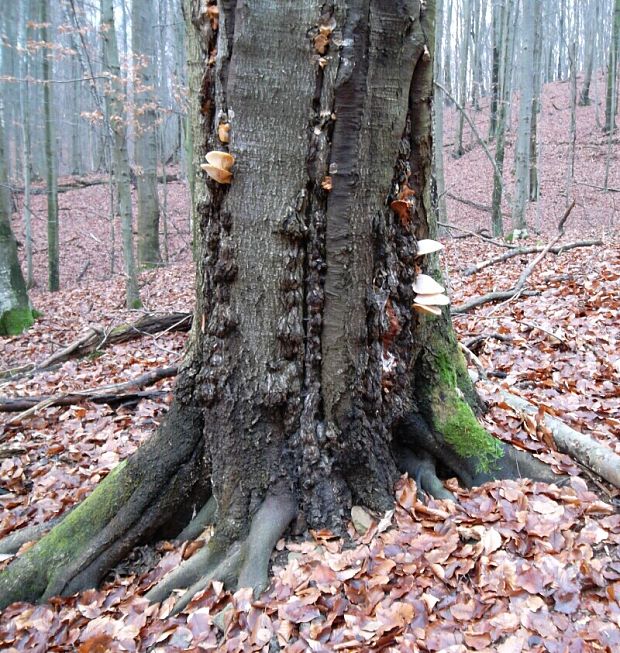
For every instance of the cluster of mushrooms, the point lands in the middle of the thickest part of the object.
(218, 166)
(430, 295)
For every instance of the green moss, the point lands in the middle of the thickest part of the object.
(462, 430)
(38, 568)
(15, 321)
(451, 412)
(137, 303)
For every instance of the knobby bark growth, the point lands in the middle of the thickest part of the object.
(310, 381)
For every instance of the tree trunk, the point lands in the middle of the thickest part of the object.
(15, 310)
(117, 124)
(53, 244)
(612, 71)
(591, 30)
(536, 101)
(522, 150)
(310, 380)
(438, 121)
(463, 69)
(144, 45)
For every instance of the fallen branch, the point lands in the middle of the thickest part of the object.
(518, 288)
(79, 183)
(593, 455)
(96, 339)
(474, 205)
(114, 393)
(486, 239)
(528, 250)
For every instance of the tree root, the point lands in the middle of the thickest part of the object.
(245, 561)
(421, 467)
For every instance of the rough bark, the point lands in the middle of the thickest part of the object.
(15, 310)
(612, 71)
(307, 362)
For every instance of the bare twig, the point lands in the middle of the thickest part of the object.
(486, 239)
(518, 288)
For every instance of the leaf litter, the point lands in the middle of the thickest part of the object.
(514, 566)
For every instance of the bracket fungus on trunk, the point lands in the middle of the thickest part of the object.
(429, 294)
(218, 166)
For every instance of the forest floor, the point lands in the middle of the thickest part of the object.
(513, 567)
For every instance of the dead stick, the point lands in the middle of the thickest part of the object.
(528, 250)
(593, 455)
(110, 392)
(518, 288)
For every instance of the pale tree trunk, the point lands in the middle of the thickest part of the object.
(591, 31)
(612, 71)
(438, 108)
(117, 121)
(497, 37)
(572, 139)
(463, 69)
(536, 101)
(144, 44)
(447, 58)
(24, 106)
(504, 78)
(310, 381)
(53, 236)
(561, 39)
(522, 150)
(15, 310)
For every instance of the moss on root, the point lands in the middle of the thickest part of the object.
(28, 577)
(16, 320)
(451, 398)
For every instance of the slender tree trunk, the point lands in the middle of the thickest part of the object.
(24, 105)
(438, 107)
(498, 11)
(463, 69)
(53, 246)
(144, 47)
(591, 29)
(508, 10)
(15, 310)
(117, 122)
(522, 152)
(612, 71)
(536, 101)
(310, 381)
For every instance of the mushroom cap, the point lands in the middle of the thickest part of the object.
(421, 308)
(432, 300)
(219, 174)
(425, 285)
(401, 208)
(223, 132)
(427, 246)
(220, 159)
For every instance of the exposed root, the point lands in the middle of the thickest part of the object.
(247, 561)
(205, 517)
(421, 467)
(13, 542)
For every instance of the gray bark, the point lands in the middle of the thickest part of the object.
(53, 235)
(144, 47)
(522, 152)
(15, 310)
(117, 122)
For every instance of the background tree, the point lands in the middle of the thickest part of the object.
(612, 70)
(310, 379)
(114, 96)
(53, 235)
(15, 311)
(144, 47)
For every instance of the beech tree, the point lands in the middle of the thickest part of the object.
(15, 311)
(310, 381)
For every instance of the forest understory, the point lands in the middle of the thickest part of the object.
(514, 566)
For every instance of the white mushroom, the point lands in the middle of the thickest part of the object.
(219, 174)
(425, 285)
(432, 300)
(427, 246)
(222, 160)
(432, 310)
